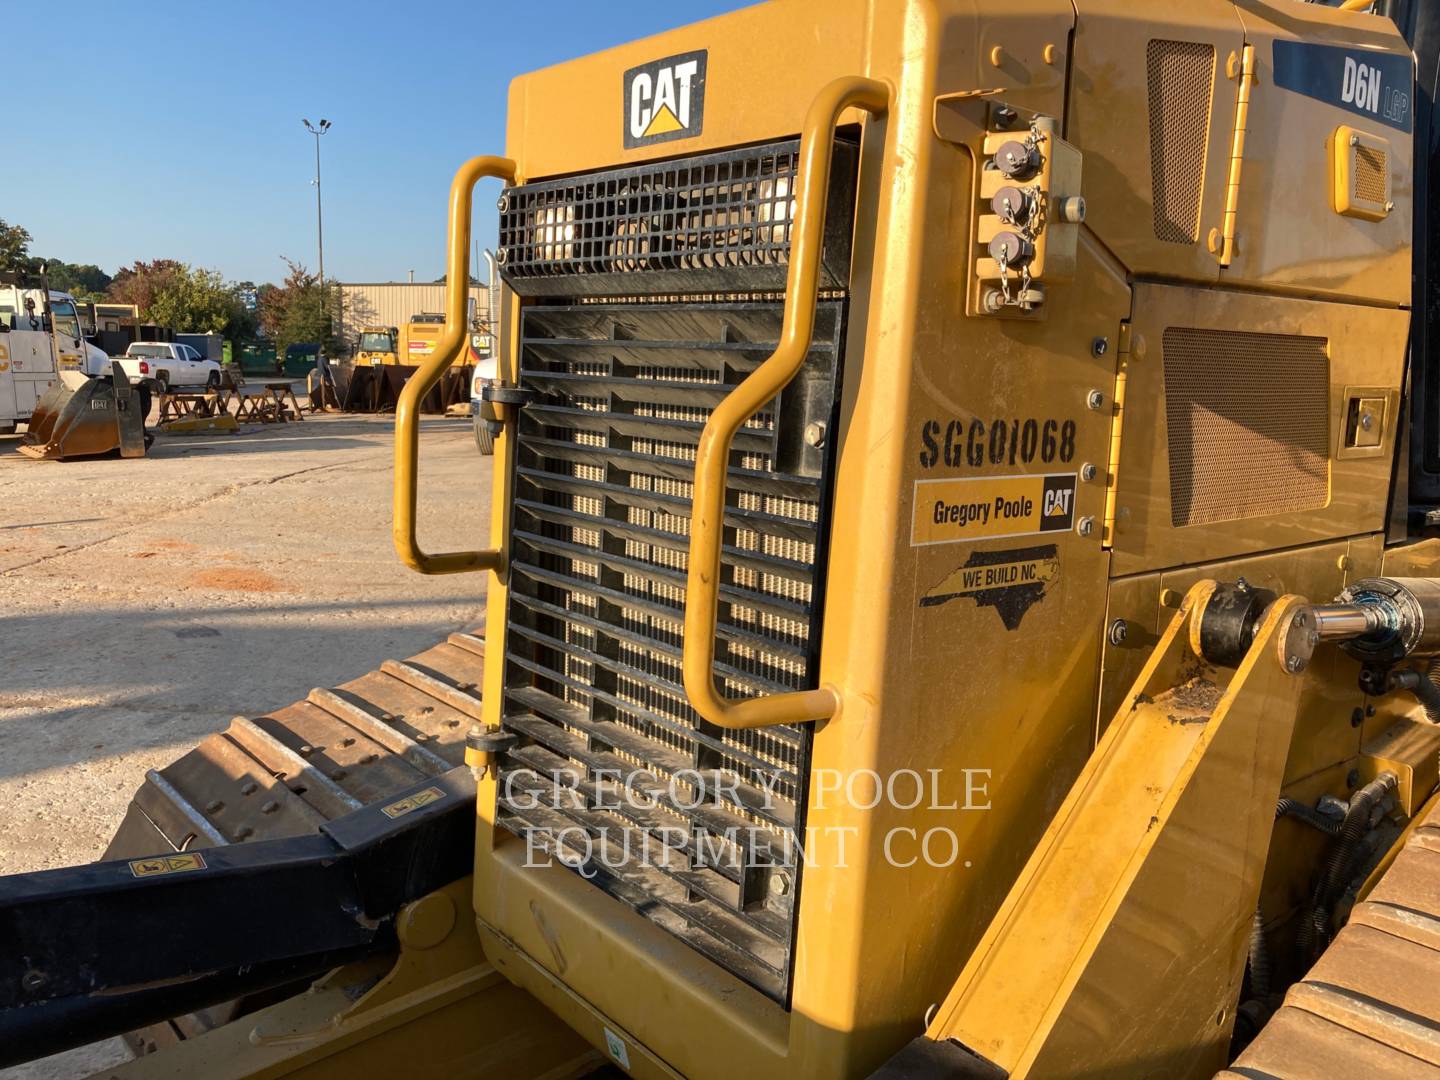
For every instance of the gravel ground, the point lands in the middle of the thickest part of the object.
(147, 602)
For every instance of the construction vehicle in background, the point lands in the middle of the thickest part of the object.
(963, 592)
(386, 359)
(376, 346)
(73, 400)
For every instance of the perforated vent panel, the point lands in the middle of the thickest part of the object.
(1248, 423)
(693, 825)
(1370, 168)
(1181, 78)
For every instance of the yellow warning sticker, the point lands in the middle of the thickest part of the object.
(413, 802)
(167, 864)
(982, 507)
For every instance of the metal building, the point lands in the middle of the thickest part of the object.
(391, 303)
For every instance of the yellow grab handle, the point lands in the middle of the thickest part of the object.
(712, 458)
(453, 341)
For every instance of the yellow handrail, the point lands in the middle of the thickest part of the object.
(712, 458)
(453, 340)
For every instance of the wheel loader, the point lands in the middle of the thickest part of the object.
(963, 592)
(388, 357)
(73, 400)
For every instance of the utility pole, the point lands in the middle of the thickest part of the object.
(319, 218)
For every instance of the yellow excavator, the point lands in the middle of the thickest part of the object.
(963, 592)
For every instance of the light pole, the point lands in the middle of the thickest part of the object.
(319, 216)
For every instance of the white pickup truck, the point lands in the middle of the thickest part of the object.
(166, 363)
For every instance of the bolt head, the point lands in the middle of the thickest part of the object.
(1294, 664)
(779, 884)
(502, 203)
(1085, 526)
(1088, 471)
(1094, 400)
(1100, 346)
(815, 434)
(1119, 631)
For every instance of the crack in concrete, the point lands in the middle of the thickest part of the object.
(222, 493)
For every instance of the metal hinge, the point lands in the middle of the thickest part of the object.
(1117, 420)
(1221, 241)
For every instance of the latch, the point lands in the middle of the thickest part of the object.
(499, 394)
(497, 399)
(1368, 416)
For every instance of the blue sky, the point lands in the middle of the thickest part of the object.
(172, 130)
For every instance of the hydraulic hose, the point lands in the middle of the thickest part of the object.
(1259, 958)
(1315, 919)
(1424, 686)
(1432, 676)
(1260, 969)
(1294, 808)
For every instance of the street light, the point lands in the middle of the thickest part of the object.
(319, 217)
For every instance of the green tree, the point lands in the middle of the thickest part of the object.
(140, 283)
(14, 247)
(191, 300)
(299, 311)
(84, 280)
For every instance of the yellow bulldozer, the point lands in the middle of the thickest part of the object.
(386, 357)
(963, 592)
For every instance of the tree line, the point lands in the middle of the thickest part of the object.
(192, 299)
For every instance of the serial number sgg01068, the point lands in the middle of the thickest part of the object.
(1000, 442)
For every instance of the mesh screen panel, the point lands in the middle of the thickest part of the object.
(1370, 166)
(1181, 78)
(713, 223)
(1248, 424)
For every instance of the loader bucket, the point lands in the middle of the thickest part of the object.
(82, 417)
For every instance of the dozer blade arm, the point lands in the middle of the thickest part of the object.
(93, 951)
(1121, 948)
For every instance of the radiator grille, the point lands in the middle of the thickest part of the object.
(1181, 76)
(714, 223)
(1370, 167)
(693, 826)
(1248, 424)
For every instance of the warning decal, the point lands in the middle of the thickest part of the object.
(981, 507)
(167, 864)
(413, 802)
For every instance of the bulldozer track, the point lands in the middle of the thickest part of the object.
(288, 771)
